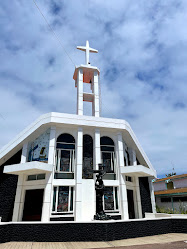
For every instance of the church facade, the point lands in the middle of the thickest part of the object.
(46, 172)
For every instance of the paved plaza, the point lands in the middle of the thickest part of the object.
(164, 241)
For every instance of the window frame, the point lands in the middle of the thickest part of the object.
(69, 200)
(115, 210)
(87, 155)
(112, 160)
(72, 160)
(112, 152)
(36, 177)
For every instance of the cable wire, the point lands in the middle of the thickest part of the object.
(53, 32)
(57, 37)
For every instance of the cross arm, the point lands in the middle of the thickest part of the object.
(92, 50)
(81, 48)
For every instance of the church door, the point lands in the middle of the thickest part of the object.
(33, 205)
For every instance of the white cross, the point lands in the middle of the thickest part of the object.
(87, 49)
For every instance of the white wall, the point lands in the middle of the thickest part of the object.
(166, 205)
(159, 186)
(88, 204)
(180, 183)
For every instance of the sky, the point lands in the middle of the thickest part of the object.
(142, 58)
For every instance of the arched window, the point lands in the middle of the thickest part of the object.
(87, 157)
(107, 154)
(65, 152)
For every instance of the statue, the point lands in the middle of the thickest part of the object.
(99, 187)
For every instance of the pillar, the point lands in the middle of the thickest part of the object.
(151, 188)
(97, 149)
(122, 187)
(80, 92)
(17, 203)
(96, 103)
(138, 197)
(46, 210)
(97, 158)
(132, 154)
(78, 176)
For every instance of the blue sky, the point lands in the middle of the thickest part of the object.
(142, 57)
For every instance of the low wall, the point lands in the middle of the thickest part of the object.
(89, 231)
(159, 215)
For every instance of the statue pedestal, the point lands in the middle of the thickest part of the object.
(102, 216)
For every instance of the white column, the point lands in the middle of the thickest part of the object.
(52, 146)
(122, 187)
(96, 158)
(97, 149)
(78, 176)
(96, 104)
(138, 197)
(152, 194)
(132, 154)
(24, 153)
(17, 201)
(80, 92)
(46, 210)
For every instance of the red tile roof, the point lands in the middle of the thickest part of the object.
(171, 191)
(171, 177)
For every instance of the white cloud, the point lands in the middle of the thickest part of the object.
(142, 57)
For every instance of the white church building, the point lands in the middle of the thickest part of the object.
(46, 171)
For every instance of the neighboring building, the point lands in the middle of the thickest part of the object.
(46, 171)
(171, 192)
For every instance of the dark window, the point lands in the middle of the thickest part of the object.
(31, 178)
(138, 163)
(107, 141)
(66, 138)
(65, 156)
(71, 201)
(170, 185)
(111, 199)
(165, 199)
(128, 158)
(108, 198)
(108, 154)
(180, 198)
(128, 178)
(65, 153)
(116, 197)
(36, 177)
(40, 176)
(87, 157)
(54, 198)
(63, 199)
(125, 164)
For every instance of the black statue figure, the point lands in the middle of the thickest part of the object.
(99, 187)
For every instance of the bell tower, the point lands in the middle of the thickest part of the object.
(89, 75)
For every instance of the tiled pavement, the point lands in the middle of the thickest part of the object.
(163, 241)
